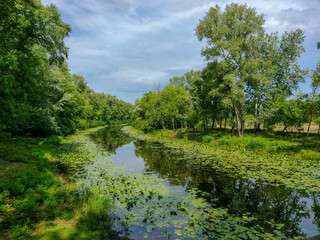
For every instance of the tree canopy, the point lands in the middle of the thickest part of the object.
(38, 95)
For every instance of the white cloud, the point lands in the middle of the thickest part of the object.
(128, 45)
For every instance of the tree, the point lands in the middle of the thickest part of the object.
(230, 36)
(257, 66)
(31, 46)
(314, 96)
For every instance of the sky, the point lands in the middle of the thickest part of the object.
(128, 47)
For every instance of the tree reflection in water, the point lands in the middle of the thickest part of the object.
(239, 195)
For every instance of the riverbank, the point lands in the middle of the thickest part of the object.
(89, 198)
(38, 195)
(289, 161)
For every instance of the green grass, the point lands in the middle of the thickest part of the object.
(207, 138)
(35, 203)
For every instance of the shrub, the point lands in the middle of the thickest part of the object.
(229, 141)
(255, 144)
(4, 196)
(207, 138)
(15, 187)
(30, 202)
(162, 133)
(145, 125)
(311, 155)
(18, 231)
(50, 205)
(288, 148)
(188, 136)
(179, 133)
(53, 140)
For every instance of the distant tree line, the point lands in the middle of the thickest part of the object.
(38, 95)
(251, 77)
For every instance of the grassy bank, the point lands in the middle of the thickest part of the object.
(38, 199)
(290, 160)
(66, 188)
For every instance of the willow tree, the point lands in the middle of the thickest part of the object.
(230, 35)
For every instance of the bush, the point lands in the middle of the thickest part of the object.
(15, 187)
(311, 155)
(288, 148)
(145, 125)
(53, 140)
(50, 205)
(229, 141)
(30, 202)
(18, 232)
(255, 144)
(162, 133)
(207, 138)
(188, 136)
(179, 133)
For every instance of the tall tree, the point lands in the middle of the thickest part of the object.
(257, 66)
(31, 45)
(230, 35)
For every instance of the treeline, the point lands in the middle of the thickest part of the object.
(251, 78)
(38, 95)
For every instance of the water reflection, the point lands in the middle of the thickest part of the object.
(111, 139)
(298, 211)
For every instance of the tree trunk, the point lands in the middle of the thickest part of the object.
(212, 127)
(225, 124)
(319, 128)
(285, 128)
(232, 127)
(310, 120)
(204, 123)
(220, 124)
(173, 123)
(256, 115)
(240, 122)
(242, 128)
(162, 123)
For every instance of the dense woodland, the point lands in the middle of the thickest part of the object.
(251, 79)
(38, 94)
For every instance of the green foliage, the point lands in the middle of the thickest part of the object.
(255, 144)
(229, 141)
(30, 203)
(311, 155)
(207, 138)
(95, 212)
(180, 133)
(145, 125)
(53, 140)
(38, 93)
(20, 232)
(188, 136)
(160, 109)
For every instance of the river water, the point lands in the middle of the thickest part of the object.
(298, 211)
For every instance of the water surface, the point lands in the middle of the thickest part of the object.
(298, 211)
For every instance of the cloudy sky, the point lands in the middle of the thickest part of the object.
(128, 47)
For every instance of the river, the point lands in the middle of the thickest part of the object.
(298, 211)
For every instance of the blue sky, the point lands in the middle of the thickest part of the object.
(128, 47)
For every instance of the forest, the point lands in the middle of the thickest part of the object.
(230, 151)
